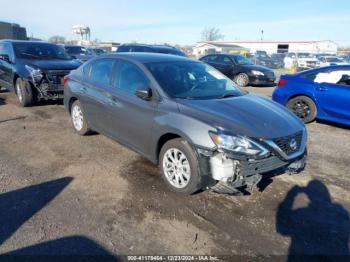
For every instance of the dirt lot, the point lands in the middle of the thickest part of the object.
(65, 194)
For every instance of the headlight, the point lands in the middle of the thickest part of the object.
(238, 144)
(257, 73)
(34, 73)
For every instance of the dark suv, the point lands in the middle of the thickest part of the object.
(162, 49)
(202, 130)
(34, 70)
(240, 69)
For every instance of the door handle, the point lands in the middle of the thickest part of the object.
(82, 89)
(322, 88)
(113, 101)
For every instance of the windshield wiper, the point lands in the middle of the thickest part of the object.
(32, 55)
(228, 95)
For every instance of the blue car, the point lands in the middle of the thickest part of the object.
(322, 93)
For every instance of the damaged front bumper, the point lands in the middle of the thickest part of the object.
(234, 173)
(49, 85)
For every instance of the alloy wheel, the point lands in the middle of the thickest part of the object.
(241, 80)
(301, 108)
(77, 118)
(19, 92)
(176, 168)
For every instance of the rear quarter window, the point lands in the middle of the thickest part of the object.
(86, 69)
(124, 49)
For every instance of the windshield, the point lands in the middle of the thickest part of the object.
(241, 60)
(305, 55)
(192, 80)
(78, 50)
(40, 51)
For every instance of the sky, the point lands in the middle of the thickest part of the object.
(182, 21)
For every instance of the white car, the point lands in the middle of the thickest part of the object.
(300, 60)
(331, 60)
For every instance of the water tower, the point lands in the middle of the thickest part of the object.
(83, 31)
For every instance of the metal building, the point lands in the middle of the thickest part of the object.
(12, 31)
(314, 47)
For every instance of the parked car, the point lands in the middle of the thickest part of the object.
(163, 49)
(79, 52)
(265, 60)
(322, 93)
(242, 70)
(302, 61)
(347, 58)
(279, 59)
(187, 117)
(331, 60)
(34, 70)
(97, 51)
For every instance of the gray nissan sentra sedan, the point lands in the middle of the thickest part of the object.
(202, 130)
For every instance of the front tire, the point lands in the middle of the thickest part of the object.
(78, 118)
(24, 92)
(242, 79)
(303, 107)
(179, 167)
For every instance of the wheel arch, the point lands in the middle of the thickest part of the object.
(70, 103)
(15, 77)
(162, 140)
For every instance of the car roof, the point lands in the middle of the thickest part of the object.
(224, 54)
(325, 68)
(144, 57)
(148, 45)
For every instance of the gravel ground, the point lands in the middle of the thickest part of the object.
(65, 194)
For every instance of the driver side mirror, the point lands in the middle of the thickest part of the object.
(5, 58)
(144, 93)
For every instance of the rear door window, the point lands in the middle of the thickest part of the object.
(223, 60)
(141, 49)
(101, 72)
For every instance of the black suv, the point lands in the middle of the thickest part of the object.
(34, 70)
(241, 69)
(163, 49)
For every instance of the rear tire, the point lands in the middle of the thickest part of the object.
(78, 118)
(303, 107)
(242, 79)
(179, 167)
(24, 92)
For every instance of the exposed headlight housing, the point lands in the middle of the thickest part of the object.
(257, 73)
(35, 73)
(238, 144)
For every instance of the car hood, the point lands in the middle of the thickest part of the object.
(248, 115)
(53, 64)
(257, 67)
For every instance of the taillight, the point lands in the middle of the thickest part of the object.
(65, 80)
(282, 82)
